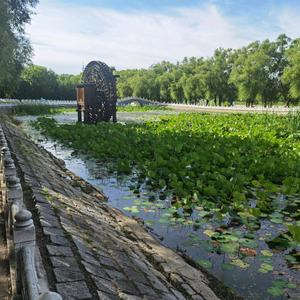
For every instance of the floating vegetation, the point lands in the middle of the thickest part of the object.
(233, 179)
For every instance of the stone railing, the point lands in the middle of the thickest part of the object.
(20, 232)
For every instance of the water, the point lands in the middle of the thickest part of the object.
(182, 234)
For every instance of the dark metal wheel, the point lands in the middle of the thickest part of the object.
(98, 73)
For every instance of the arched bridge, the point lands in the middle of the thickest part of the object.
(136, 100)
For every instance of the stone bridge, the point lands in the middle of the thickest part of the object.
(86, 249)
(136, 100)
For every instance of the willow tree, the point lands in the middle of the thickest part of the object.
(15, 50)
(291, 74)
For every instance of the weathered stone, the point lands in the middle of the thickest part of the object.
(59, 261)
(125, 296)
(168, 297)
(113, 274)
(108, 262)
(89, 258)
(39, 198)
(178, 295)
(105, 296)
(50, 222)
(105, 285)
(95, 270)
(74, 290)
(126, 286)
(44, 211)
(59, 250)
(188, 289)
(147, 290)
(135, 275)
(58, 240)
(81, 245)
(68, 274)
(197, 297)
(44, 206)
(53, 231)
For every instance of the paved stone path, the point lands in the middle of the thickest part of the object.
(90, 250)
(4, 264)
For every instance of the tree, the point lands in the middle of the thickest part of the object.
(38, 82)
(15, 50)
(67, 86)
(250, 73)
(291, 74)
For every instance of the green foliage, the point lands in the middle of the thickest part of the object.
(38, 109)
(291, 75)
(257, 71)
(263, 72)
(15, 50)
(220, 162)
(39, 82)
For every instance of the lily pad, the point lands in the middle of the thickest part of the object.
(275, 291)
(205, 263)
(266, 253)
(239, 263)
(229, 247)
(209, 232)
(265, 268)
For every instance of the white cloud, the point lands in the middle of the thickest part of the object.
(289, 22)
(66, 37)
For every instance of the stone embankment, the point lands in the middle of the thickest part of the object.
(90, 250)
(4, 259)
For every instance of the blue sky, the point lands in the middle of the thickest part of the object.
(137, 33)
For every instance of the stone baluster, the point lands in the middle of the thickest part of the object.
(5, 152)
(9, 167)
(14, 198)
(27, 286)
(24, 238)
(14, 189)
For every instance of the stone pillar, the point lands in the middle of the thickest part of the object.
(9, 167)
(24, 242)
(5, 152)
(15, 191)
(14, 198)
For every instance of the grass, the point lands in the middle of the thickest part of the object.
(40, 109)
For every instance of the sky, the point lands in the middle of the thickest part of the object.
(127, 34)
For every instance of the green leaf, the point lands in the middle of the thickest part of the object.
(292, 285)
(295, 231)
(265, 268)
(205, 263)
(239, 263)
(229, 247)
(266, 253)
(209, 232)
(275, 291)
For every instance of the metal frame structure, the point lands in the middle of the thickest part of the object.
(97, 96)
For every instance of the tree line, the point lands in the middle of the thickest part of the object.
(261, 72)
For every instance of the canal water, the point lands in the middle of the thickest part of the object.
(183, 234)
